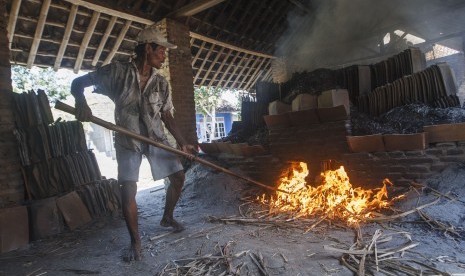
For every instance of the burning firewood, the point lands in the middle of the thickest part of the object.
(334, 198)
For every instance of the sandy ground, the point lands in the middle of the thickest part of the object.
(246, 245)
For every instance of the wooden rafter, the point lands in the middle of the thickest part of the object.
(218, 55)
(194, 60)
(111, 12)
(58, 42)
(221, 67)
(204, 62)
(249, 71)
(86, 40)
(120, 38)
(228, 68)
(38, 33)
(66, 36)
(243, 16)
(236, 67)
(12, 20)
(77, 31)
(196, 7)
(249, 59)
(253, 78)
(227, 45)
(104, 39)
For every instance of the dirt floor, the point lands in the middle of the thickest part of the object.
(227, 234)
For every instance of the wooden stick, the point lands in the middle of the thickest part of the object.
(66, 108)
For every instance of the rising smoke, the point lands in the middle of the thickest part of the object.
(337, 32)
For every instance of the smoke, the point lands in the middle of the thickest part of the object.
(336, 32)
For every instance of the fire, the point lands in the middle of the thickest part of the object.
(335, 198)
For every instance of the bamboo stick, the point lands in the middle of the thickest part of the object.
(66, 108)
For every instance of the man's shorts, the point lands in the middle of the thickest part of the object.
(162, 163)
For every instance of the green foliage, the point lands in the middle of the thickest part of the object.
(207, 99)
(56, 86)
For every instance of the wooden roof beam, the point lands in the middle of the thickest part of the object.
(249, 59)
(112, 12)
(203, 62)
(226, 71)
(120, 38)
(254, 77)
(104, 39)
(249, 71)
(86, 40)
(236, 67)
(66, 36)
(194, 60)
(12, 20)
(229, 46)
(212, 65)
(221, 67)
(195, 7)
(38, 34)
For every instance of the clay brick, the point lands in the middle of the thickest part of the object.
(456, 158)
(438, 167)
(394, 176)
(397, 169)
(446, 145)
(415, 153)
(434, 151)
(14, 228)
(455, 151)
(416, 160)
(419, 169)
(396, 154)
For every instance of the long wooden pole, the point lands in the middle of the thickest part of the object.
(66, 108)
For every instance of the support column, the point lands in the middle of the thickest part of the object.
(179, 73)
(11, 183)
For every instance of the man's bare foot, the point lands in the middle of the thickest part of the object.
(177, 227)
(133, 253)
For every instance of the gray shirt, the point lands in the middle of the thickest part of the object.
(136, 110)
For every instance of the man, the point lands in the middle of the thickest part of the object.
(142, 102)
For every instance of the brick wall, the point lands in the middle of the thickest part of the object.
(317, 143)
(11, 184)
(180, 77)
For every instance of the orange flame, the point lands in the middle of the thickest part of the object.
(335, 198)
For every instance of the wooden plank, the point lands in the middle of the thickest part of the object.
(12, 20)
(86, 40)
(38, 33)
(260, 67)
(69, 44)
(203, 63)
(232, 47)
(242, 71)
(228, 68)
(235, 69)
(220, 68)
(120, 38)
(212, 65)
(249, 71)
(104, 39)
(66, 36)
(111, 12)
(195, 7)
(62, 25)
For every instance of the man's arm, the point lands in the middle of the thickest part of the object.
(83, 112)
(172, 127)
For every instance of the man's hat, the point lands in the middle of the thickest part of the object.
(153, 35)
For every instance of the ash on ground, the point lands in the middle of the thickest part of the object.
(406, 119)
(209, 187)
